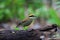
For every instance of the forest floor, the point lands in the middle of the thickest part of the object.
(10, 26)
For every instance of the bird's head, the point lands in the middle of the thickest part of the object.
(32, 16)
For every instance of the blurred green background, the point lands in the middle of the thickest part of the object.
(12, 9)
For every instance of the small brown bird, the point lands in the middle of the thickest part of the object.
(27, 21)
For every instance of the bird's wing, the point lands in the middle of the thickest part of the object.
(27, 23)
(25, 20)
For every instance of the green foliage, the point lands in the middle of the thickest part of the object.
(1, 16)
(54, 17)
(20, 2)
(5, 13)
(21, 14)
(37, 3)
(25, 28)
(10, 9)
(16, 29)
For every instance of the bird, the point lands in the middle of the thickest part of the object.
(27, 21)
